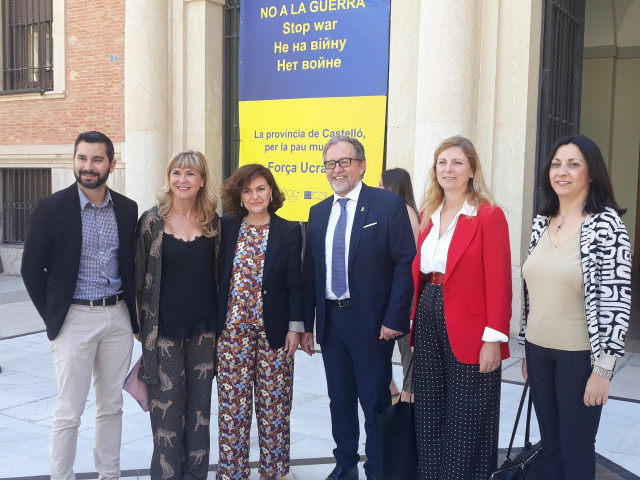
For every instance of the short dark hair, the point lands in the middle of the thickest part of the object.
(398, 181)
(357, 146)
(95, 137)
(243, 176)
(600, 190)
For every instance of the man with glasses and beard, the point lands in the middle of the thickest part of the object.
(358, 287)
(78, 269)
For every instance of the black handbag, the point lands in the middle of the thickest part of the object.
(527, 463)
(397, 439)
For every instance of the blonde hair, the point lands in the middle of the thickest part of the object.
(477, 190)
(206, 200)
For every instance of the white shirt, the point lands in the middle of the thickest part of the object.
(331, 228)
(434, 252)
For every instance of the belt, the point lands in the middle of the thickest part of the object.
(344, 303)
(435, 278)
(101, 302)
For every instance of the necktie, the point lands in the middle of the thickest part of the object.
(338, 276)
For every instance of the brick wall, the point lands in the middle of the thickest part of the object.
(94, 85)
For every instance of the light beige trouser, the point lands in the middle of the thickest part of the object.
(94, 340)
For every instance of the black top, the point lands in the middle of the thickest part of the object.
(188, 300)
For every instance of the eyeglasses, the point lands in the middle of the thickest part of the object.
(343, 162)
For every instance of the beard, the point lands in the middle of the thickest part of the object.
(95, 181)
(342, 186)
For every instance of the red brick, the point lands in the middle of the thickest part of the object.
(95, 99)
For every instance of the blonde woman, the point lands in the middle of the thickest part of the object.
(462, 308)
(176, 284)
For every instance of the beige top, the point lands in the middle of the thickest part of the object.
(556, 298)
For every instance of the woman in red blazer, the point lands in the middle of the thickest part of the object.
(462, 309)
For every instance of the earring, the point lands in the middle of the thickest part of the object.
(241, 204)
(202, 185)
(270, 199)
(471, 176)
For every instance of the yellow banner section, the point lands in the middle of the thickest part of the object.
(287, 136)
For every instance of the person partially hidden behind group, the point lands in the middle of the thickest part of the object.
(577, 305)
(176, 285)
(398, 181)
(462, 309)
(259, 320)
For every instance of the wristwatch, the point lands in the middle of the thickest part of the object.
(601, 372)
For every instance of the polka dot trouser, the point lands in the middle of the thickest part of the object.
(457, 408)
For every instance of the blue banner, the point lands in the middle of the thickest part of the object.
(312, 49)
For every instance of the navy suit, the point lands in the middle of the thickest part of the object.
(51, 258)
(357, 362)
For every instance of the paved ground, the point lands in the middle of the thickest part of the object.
(28, 394)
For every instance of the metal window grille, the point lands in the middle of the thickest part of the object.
(560, 77)
(27, 45)
(231, 130)
(21, 189)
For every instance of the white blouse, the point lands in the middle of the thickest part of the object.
(435, 249)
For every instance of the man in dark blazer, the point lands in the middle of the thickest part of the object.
(78, 270)
(358, 287)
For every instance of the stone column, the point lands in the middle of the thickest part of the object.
(512, 143)
(198, 81)
(403, 65)
(146, 99)
(447, 78)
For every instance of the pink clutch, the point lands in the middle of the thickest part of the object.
(136, 387)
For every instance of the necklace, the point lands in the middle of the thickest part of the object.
(561, 224)
(188, 215)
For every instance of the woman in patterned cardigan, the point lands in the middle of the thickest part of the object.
(577, 305)
(177, 240)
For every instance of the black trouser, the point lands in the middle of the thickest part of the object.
(568, 427)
